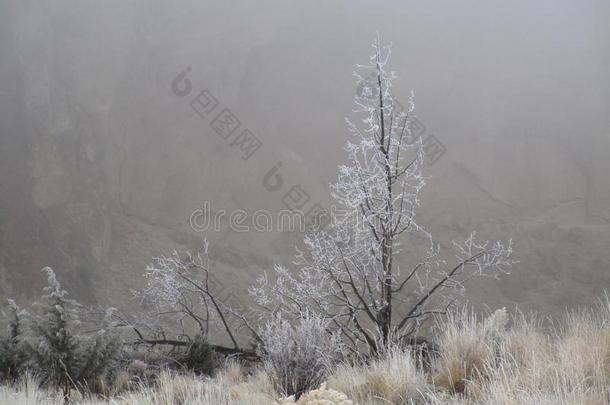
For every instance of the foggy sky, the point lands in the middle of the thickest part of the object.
(101, 164)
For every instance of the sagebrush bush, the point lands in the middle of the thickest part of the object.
(199, 356)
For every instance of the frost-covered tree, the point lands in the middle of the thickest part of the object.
(61, 350)
(180, 301)
(349, 273)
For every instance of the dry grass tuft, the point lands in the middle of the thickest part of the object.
(393, 378)
(468, 347)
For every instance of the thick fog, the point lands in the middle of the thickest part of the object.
(102, 161)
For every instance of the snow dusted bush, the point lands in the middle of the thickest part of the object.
(61, 352)
(12, 348)
(299, 357)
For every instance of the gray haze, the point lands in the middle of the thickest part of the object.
(101, 164)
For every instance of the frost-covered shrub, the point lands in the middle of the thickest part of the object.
(12, 348)
(299, 357)
(61, 353)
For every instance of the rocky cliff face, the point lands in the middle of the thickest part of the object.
(101, 164)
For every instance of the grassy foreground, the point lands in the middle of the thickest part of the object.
(499, 360)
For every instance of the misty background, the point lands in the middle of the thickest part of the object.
(101, 164)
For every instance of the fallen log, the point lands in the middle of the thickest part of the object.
(247, 354)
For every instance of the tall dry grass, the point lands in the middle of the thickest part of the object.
(497, 360)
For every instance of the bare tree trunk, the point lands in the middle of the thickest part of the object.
(385, 314)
